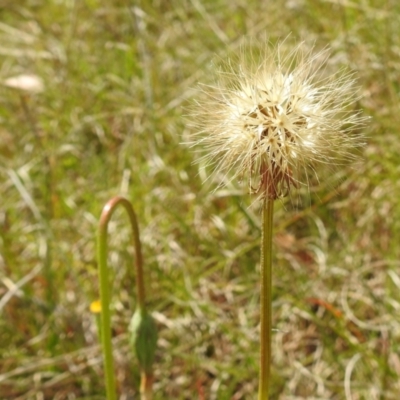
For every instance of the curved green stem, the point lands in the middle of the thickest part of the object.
(266, 298)
(106, 215)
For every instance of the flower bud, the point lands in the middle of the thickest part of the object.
(143, 338)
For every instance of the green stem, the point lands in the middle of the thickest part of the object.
(106, 215)
(266, 298)
(146, 386)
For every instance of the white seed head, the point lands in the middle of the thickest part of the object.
(274, 114)
(27, 83)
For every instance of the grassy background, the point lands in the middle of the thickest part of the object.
(117, 77)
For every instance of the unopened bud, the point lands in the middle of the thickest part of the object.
(143, 338)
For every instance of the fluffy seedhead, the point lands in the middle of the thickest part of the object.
(273, 115)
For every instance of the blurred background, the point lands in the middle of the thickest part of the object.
(92, 103)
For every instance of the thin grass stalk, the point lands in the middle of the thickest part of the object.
(105, 217)
(266, 299)
(49, 209)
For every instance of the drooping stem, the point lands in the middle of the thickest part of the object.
(105, 217)
(266, 298)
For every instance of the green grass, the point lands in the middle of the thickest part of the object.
(110, 121)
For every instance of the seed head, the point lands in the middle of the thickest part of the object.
(272, 115)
